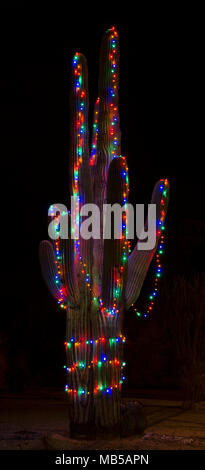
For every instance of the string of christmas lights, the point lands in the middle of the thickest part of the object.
(114, 119)
(114, 133)
(101, 339)
(97, 389)
(62, 301)
(80, 94)
(95, 134)
(159, 252)
(95, 362)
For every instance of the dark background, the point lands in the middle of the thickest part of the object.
(160, 109)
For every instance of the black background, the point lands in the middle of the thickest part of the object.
(161, 122)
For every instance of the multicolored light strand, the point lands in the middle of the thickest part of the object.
(95, 134)
(160, 251)
(103, 362)
(101, 340)
(114, 119)
(106, 361)
(62, 300)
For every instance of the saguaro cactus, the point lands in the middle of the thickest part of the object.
(95, 280)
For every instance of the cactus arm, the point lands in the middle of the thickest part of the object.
(69, 274)
(81, 178)
(79, 122)
(109, 126)
(139, 260)
(49, 268)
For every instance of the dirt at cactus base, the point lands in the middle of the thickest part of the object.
(41, 421)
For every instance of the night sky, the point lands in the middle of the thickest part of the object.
(160, 112)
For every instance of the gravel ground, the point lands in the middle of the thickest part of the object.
(27, 422)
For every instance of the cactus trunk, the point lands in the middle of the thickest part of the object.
(95, 383)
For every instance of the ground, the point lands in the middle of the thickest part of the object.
(40, 421)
